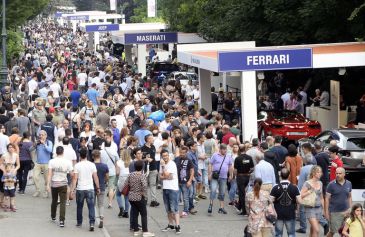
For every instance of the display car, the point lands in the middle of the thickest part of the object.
(351, 143)
(290, 125)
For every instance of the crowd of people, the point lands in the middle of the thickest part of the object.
(91, 128)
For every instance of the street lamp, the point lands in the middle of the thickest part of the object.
(4, 68)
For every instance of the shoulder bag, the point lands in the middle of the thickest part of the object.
(310, 199)
(270, 213)
(125, 190)
(215, 174)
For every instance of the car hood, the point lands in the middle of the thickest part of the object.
(291, 119)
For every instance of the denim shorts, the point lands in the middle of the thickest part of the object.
(9, 192)
(171, 200)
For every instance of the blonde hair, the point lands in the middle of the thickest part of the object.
(314, 170)
(125, 156)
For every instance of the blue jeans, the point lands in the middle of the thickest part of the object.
(205, 177)
(290, 228)
(233, 190)
(187, 194)
(120, 198)
(218, 184)
(81, 195)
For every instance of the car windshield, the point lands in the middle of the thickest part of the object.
(283, 114)
(356, 143)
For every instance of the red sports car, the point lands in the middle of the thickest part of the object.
(290, 125)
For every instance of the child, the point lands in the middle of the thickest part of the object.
(354, 225)
(9, 179)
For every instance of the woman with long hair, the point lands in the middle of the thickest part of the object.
(124, 136)
(257, 201)
(25, 147)
(122, 170)
(355, 224)
(313, 214)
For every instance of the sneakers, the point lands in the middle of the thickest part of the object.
(154, 204)
(137, 233)
(231, 203)
(193, 211)
(222, 211)
(36, 194)
(184, 214)
(78, 225)
(125, 215)
(169, 227)
(148, 234)
(62, 223)
(91, 227)
(68, 203)
(53, 219)
(21, 192)
(210, 208)
(101, 223)
(45, 194)
(178, 229)
(121, 212)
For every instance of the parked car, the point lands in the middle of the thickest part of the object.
(288, 124)
(184, 77)
(351, 143)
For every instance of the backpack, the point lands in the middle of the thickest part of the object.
(284, 199)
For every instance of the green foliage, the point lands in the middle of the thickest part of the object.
(19, 11)
(268, 22)
(140, 12)
(14, 45)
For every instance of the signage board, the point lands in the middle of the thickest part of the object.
(102, 28)
(78, 18)
(151, 38)
(261, 60)
(151, 8)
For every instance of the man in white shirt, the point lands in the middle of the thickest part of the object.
(32, 85)
(325, 97)
(84, 175)
(4, 140)
(56, 89)
(58, 169)
(286, 97)
(170, 185)
(81, 78)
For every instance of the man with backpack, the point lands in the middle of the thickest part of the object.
(285, 197)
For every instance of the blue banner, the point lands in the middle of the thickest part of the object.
(58, 14)
(78, 18)
(151, 38)
(102, 28)
(265, 60)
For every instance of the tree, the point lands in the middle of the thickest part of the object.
(268, 22)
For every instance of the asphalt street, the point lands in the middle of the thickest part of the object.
(33, 220)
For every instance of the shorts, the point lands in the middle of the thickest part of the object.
(336, 220)
(9, 192)
(111, 182)
(171, 200)
(313, 212)
(198, 179)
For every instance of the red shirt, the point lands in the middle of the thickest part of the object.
(225, 139)
(339, 163)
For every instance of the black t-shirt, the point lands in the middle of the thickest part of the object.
(229, 104)
(214, 101)
(101, 169)
(243, 164)
(150, 151)
(323, 160)
(3, 119)
(184, 166)
(285, 204)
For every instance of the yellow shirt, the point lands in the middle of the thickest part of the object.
(355, 227)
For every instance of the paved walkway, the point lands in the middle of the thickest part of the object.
(33, 220)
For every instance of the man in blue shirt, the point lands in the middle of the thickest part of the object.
(75, 96)
(44, 150)
(93, 94)
(142, 133)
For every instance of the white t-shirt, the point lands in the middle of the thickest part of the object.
(85, 170)
(56, 88)
(108, 154)
(324, 99)
(60, 167)
(172, 184)
(82, 78)
(32, 85)
(157, 143)
(4, 141)
(123, 171)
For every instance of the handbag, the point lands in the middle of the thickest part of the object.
(125, 190)
(215, 174)
(309, 200)
(270, 213)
